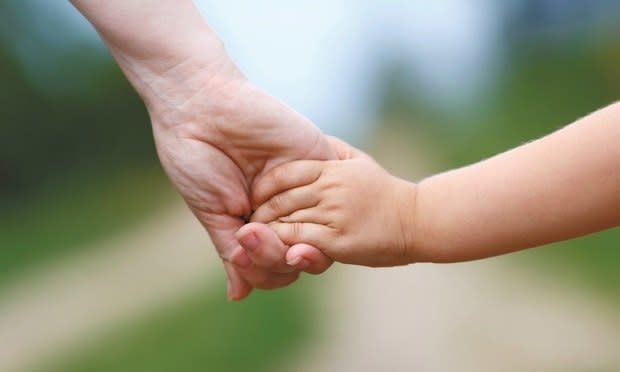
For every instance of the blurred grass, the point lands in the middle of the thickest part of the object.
(204, 332)
(74, 212)
(587, 262)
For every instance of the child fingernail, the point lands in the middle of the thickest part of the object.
(294, 261)
(249, 241)
(299, 263)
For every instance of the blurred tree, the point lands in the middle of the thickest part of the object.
(85, 126)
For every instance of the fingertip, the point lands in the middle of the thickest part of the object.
(239, 296)
(307, 258)
(238, 292)
(237, 288)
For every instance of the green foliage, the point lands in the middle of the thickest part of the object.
(543, 89)
(64, 109)
(46, 138)
(77, 159)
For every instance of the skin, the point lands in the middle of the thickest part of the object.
(559, 187)
(215, 133)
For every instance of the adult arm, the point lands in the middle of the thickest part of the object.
(215, 132)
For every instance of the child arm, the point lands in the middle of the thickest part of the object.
(562, 186)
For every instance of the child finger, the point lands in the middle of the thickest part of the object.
(286, 203)
(308, 258)
(284, 177)
(314, 214)
(301, 232)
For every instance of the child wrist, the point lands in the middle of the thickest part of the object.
(408, 224)
(417, 227)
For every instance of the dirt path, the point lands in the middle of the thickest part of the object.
(469, 317)
(69, 301)
(483, 316)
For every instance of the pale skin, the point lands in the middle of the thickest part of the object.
(214, 131)
(559, 187)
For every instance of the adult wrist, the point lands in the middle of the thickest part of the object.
(165, 48)
(168, 81)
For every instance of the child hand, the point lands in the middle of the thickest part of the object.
(352, 210)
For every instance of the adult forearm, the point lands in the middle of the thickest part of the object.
(158, 43)
(559, 187)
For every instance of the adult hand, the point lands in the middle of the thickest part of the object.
(215, 132)
(213, 147)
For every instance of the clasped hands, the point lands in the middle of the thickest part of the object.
(233, 152)
(222, 142)
(242, 151)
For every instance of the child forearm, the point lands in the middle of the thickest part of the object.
(561, 186)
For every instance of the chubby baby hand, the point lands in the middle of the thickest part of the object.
(353, 210)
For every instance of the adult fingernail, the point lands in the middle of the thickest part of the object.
(249, 241)
(241, 259)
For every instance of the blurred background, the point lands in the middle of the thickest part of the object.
(103, 269)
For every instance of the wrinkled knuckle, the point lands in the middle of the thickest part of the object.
(296, 229)
(330, 184)
(277, 203)
(285, 231)
(286, 219)
(331, 208)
